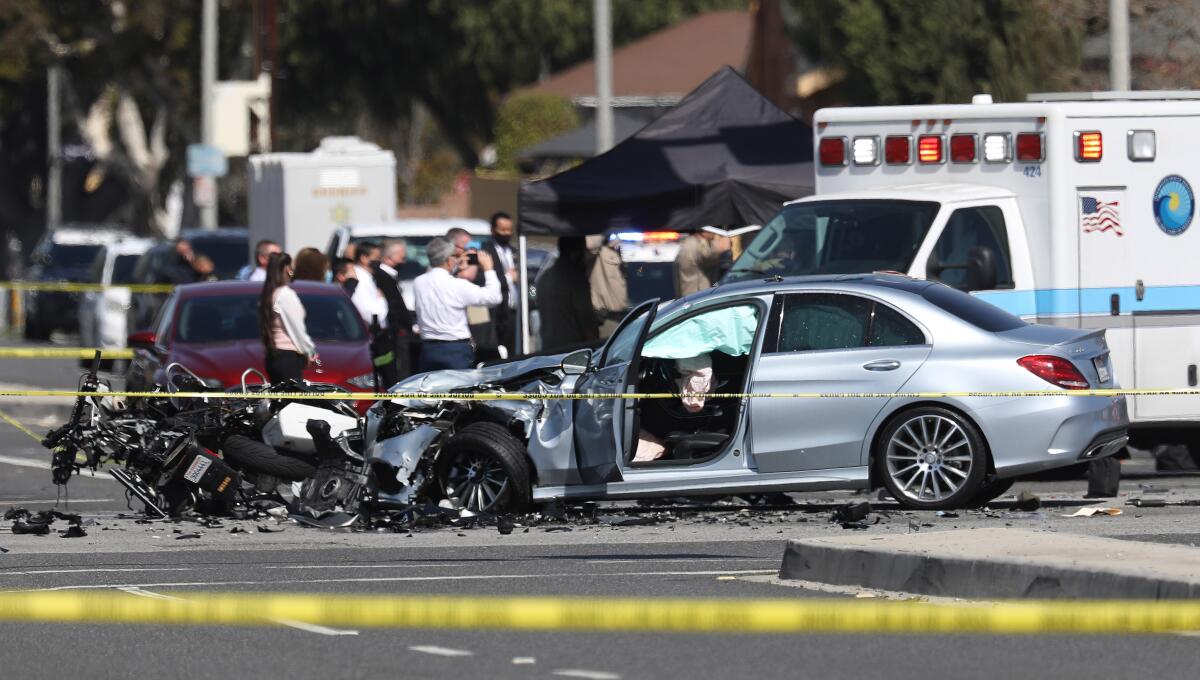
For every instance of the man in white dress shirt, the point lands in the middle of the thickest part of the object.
(367, 297)
(441, 302)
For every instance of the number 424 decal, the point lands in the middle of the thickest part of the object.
(1032, 170)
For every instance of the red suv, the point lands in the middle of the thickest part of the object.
(212, 329)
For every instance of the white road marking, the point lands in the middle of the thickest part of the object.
(441, 651)
(686, 559)
(393, 579)
(359, 566)
(92, 571)
(298, 625)
(524, 661)
(21, 501)
(590, 675)
(25, 462)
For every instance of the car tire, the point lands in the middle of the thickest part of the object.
(988, 492)
(934, 450)
(491, 451)
(246, 454)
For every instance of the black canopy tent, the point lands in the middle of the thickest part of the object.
(723, 155)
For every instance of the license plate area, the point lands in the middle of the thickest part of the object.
(1101, 364)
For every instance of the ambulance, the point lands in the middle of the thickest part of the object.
(1068, 209)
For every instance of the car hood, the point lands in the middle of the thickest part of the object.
(498, 374)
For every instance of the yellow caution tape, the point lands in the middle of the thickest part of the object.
(17, 424)
(523, 396)
(69, 287)
(62, 353)
(625, 614)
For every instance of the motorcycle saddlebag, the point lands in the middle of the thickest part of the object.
(207, 471)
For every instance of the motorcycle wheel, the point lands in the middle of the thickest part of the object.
(246, 454)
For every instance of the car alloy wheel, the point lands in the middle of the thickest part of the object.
(930, 458)
(477, 480)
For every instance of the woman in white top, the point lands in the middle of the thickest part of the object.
(281, 322)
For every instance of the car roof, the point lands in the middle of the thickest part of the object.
(778, 284)
(419, 227)
(211, 288)
(230, 233)
(130, 246)
(79, 235)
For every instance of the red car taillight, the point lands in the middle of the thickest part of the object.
(1055, 370)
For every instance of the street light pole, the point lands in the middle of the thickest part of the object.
(1118, 37)
(602, 24)
(53, 149)
(208, 76)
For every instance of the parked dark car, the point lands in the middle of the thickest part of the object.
(64, 255)
(227, 247)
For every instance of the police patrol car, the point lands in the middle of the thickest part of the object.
(1068, 209)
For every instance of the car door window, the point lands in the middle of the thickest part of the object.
(812, 322)
(979, 226)
(624, 342)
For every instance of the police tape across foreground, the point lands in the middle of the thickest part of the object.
(585, 396)
(623, 614)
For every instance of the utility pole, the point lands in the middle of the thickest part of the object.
(1118, 37)
(602, 24)
(53, 149)
(208, 76)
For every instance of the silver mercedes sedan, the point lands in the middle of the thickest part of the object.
(876, 335)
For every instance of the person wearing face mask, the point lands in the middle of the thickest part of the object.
(281, 315)
(344, 275)
(564, 299)
(504, 315)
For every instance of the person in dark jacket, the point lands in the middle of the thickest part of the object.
(503, 315)
(399, 319)
(564, 299)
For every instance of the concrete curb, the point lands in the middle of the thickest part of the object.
(1083, 567)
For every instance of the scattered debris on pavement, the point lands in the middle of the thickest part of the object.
(1026, 502)
(1094, 511)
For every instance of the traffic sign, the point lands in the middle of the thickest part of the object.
(205, 160)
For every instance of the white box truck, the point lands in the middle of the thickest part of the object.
(1069, 209)
(299, 199)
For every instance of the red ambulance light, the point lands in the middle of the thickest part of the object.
(962, 148)
(1089, 146)
(832, 151)
(897, 150)
(929, 149)
(1030, 148)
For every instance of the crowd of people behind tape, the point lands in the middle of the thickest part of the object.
(465, 304)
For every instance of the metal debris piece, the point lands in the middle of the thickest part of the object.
(1026, 502)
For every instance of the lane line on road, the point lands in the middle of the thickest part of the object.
(291, 623)
(19, 501)
(588, 675)
(393, 579)
(25, 462)
(364, 566)
(440, 651)
(93, 571)
(689, 560)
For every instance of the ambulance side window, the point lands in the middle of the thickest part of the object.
(975, 227)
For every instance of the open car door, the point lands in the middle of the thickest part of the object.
(599, 435)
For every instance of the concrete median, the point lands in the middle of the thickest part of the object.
(999, 563)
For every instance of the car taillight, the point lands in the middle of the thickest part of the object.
(897, 150)
(832, 151)
(929, 149)
(1029, 147)
(1055, 370)
(962, 148)
(1089, 146)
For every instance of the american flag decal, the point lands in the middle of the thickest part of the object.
(1100, 216)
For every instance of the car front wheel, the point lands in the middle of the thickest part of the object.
(931, 458)
(483, 466)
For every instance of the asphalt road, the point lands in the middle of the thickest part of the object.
(727, 553)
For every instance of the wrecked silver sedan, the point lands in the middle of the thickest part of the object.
(877, 334)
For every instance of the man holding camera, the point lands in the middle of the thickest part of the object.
(441, 299)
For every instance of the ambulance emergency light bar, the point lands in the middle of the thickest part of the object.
(965, 148)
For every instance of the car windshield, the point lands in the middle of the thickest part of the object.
(228, 256)
(123, 268)
(219, 318)
(648, 280)
(72, 256)
(837, 237)
(416, 261)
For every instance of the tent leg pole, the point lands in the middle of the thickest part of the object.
(523, 308)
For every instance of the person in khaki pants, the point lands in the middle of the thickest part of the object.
(610, 292)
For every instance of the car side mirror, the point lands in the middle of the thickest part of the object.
(577, 362)
(142, 339)
(981, 269)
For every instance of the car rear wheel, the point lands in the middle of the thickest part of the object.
(931, 458)
(484, 467)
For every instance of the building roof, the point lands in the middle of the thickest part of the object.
(662, 67)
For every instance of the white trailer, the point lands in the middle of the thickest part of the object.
(299, 199)
(1069, 209)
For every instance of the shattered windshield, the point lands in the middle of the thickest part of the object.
(837, 237)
